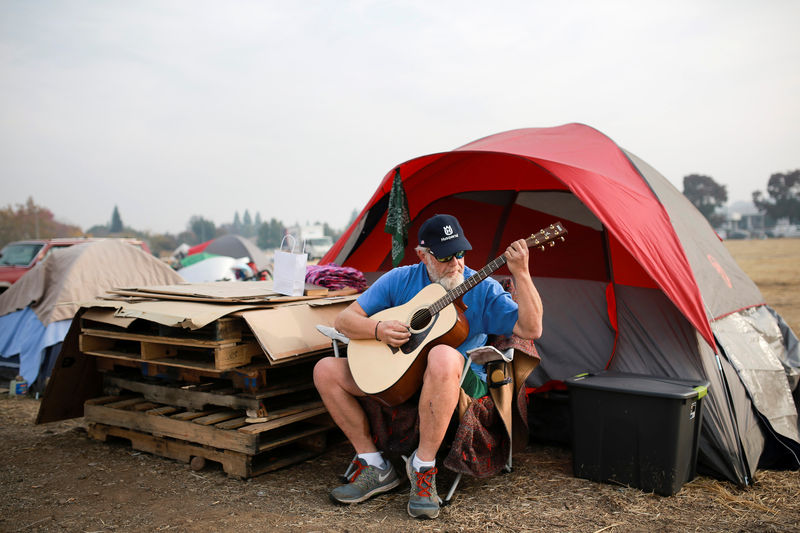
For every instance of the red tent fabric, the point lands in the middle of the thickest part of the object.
(197, 248)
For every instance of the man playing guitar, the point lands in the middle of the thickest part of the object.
(490, 310)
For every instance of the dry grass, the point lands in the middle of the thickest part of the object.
(774, 265)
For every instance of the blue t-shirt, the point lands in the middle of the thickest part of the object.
(490, 309)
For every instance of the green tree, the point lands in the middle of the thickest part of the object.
(706, 195)
(98, 230)
(332, 233)
(31, 221)
(270, 234)
(247, 224)
(784, 197)
(162, 244)
(237, 223)
(116, 222)
(204, 230)
(187, 236)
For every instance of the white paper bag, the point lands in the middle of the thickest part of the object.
(289, 272)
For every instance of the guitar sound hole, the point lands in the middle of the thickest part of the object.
(420, 319)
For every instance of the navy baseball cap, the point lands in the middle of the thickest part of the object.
(443, 235)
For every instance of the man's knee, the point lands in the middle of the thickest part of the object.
(444, 362)
(325, 371)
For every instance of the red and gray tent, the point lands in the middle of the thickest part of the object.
(643, 283)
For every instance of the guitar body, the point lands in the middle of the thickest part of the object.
(392, 375)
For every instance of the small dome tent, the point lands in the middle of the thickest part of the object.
(643, 283)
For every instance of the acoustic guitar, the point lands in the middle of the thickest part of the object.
(435, 316)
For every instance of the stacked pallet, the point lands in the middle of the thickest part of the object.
(244, 448)
(237, 390)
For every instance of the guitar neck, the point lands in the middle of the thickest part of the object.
(538, 239)
(468, 284)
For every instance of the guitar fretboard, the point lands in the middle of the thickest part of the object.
(555, 230)
(468, 284)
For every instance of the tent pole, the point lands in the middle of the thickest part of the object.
(731, 410)
(494, 251)
(612, 286)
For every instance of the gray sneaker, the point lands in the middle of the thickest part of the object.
(366, 482)
(423, 502)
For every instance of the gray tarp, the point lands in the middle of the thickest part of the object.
(54, 287)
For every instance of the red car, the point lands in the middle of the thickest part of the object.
(18, 257)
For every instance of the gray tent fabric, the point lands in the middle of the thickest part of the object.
(748, 436)
(237, 246)
(654, 337)
(576, 337)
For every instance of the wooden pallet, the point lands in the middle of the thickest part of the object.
(218, 393)
(285, 453)
(255, 378)
(227, 328)
(220, 355)
(223, 435)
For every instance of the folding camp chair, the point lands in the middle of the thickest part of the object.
(335, 336)
(497, 375)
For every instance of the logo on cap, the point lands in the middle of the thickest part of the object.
(448, 230)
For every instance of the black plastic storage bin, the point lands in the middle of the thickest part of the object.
(636, 430)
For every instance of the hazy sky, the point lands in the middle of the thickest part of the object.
(297, 109)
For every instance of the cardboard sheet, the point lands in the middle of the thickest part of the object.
(191, 315)
(221, 291)
(107, 316)
(195, 315)
(287, 331)
(214, 289)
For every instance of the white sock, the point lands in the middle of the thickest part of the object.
(373, 459)
(418, 464)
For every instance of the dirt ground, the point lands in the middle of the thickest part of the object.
(54, 478)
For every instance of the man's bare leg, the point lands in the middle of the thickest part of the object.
(338, 392)
(438, 399)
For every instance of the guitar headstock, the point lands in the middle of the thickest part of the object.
(550, 235)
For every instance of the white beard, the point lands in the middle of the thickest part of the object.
(448, 282)
(451, 282)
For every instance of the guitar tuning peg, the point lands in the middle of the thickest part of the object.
(562, 239)
(552, 244)
(541, 248)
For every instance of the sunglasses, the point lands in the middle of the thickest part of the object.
(457, 255)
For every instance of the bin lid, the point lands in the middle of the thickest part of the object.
(640, 385)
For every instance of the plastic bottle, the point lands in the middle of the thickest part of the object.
(18, 387)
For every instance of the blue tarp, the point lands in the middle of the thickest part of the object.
(23, 334)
